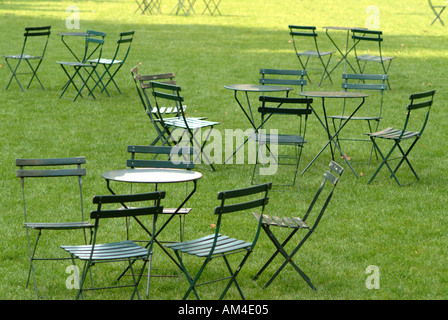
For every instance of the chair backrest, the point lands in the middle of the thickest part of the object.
(418, 110)
(177, 157)
(145, 84)
(32, 40)
(303, 32)
(287, 77)
(369, 36)
(331, 178)
(147, 204)
(94, 45)
(371, 83)
(241, 200)
(123, 46)
(52, 168)
(165, 95)
(300, 107)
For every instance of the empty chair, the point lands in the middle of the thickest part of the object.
(217, 245)
(212, 6)
(52, 201)
(284, 77)
(83, 70)
(311, 219)
(306, 37)
(437, 10)
(371, 114)
(165, 94)
(417, 115)
(288, 117)
(114, 64)
(33, 52)
(128, 251)
(374, 37)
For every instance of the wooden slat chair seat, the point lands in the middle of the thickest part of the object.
(331, 178)
(218, 245)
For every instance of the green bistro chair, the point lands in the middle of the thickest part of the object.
(417, 115)
(295, 224)
(370, 37)
(289, 117)
(438, 10)
(284, 77)
(112, 66)
(304, 34)
(149, 6)
(82, 70)
(212, 6)
(36, 40)
(167, 94)
(124, 250)
(54, 186)
(372, 113)
(218, 245)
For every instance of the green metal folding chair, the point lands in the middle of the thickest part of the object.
(284, 77)
(82, 70)
(212, 6)
(305, 33)
(191, 128)
(112, 66)
(218, 245)
(49, 184)
(35, 40)
(288, 116)
(438, 10)
(417, 115)
(323, 196)
(368, 37)
(371, 114)
(124, 250)
(149, 6)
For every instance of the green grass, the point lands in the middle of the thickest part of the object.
(400, 230)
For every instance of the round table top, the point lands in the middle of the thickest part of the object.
(256, 88)
(79, 34)
(333, 94)
(152, 175)
(343, 28)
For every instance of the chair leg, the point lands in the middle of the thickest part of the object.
(14, 74)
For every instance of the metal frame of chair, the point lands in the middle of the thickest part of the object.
(82, 67)
(369, 82)
(418, 103)
(310, 32)
(125, 250)
(284, 77)
(50, 169)
(212, 6)
(438, 10)
(30, 32)
(189, 126)
(286, 107)
(218, 245)
(150, 6)
(371, 36)
(295, 224)
(125, 38)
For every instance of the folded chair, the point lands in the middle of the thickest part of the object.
(54, 189)
(370, 37)
(82, 70)
(36, 40)
(417, 115)
(371, 114)
(150, 6)
(438, 10)
(218, 245)
(212, 6)
(190, 127)
(124, 250)
(112, 66)
(305, 33)
(284, 77)
(289, 118)
(294, 224)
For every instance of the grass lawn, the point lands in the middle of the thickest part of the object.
(400, 230)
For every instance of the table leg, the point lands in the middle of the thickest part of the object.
(343, 56)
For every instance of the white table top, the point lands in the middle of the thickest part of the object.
(152, 175)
